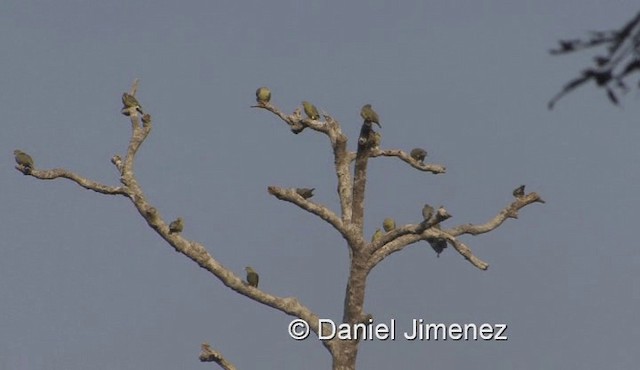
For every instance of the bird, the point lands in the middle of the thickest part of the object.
(23, 159)
(427, 212)
(376, 236)
(263, 95)
(388, 224)
(418, 154)
(176, 226)
(129, 101)
(146, 119)
(519, 191)
(252, 276)
(377, 139)
(310, 110)
(306, 193)
(438, 245)
(369, 115)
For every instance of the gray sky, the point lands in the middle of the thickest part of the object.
(84, 283)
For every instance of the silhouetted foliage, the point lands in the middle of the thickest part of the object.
(609, 71)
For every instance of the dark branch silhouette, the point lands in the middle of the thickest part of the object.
(609, 71)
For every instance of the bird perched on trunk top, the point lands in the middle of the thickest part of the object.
(263, 95)
(310, 110)
(306, 193)
(129, 101)
(176, 226)
(252, 276)
(23, 159)
(418, 154)
(369, 115)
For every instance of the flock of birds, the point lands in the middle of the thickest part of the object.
(263, 96)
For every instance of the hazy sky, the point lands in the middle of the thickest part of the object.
(86, 284)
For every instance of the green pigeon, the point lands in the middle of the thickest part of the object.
(418, 154)
(310, 110)
(23, 159)
(388, 224)
(252, 276)
(306, 193)
(377, 139)
(130, 101)
(176, 226)
(376, 236)
(519, 191)
(263, 95)
(369, 115)
(427, 212)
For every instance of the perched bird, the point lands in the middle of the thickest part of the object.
(427, 212)
(388, 224)
(376, 236)
(519, 191)
(146, 119)
(418, 154)
(130, 101)
(369, 115)
(306, 193)
(252, 276)
(438, 244)
(23, 159)
(176, 226)
(263, 95)
(377, 139)
(310, 110)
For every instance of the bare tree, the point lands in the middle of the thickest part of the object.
(349, 222)
(609, 71)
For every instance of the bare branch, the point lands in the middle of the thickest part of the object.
(433, 168)
(399, 238)
(198, 254)
(465, 252)
(401, 242)
(342, 167)
(360, 176)
(511, 211)
(410, 229)
(338, 140)
(134, 86)
(290, 195)
(208, 354)
(85, 183)
(295, 121)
